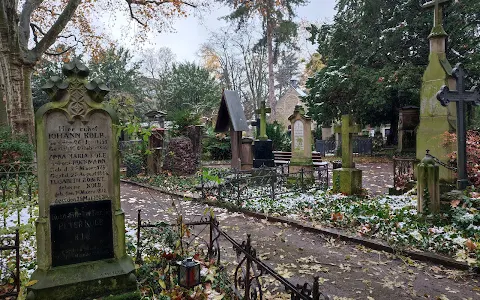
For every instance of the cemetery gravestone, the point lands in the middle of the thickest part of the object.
(301, 141)
(435, 120)
(348, 179)
(461, 97)
(81, 226)
(408, 120)
(263, 147)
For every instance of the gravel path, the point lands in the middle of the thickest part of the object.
(346, 270)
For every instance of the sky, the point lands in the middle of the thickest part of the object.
(189, 33)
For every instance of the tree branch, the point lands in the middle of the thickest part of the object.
(59, 53)
(52, 34)
(24, 24)
(155, 2)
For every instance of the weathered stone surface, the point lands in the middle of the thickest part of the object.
(180, 158)
(301, 140)
(428, 186)
(80, 229)
(348, 181)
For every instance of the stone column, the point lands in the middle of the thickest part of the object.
(428, 185)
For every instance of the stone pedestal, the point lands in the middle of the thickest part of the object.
(428, 186)
(263, 154)
(246, 154)
(347, 181)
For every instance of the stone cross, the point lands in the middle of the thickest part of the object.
(347, 130)
(437, 16)
(461, 97)
(263, 120)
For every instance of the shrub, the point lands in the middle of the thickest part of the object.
(14, 148)
(182, 119)
(473, 154)
(134, 163)
(217, 145)
(279, 136)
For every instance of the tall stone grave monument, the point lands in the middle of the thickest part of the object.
(263, 147)
(347, 179)
(301, 141)
(408, 120)
(81, 226)
(435, 119)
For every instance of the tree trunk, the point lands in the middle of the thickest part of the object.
(271, 78)
(16, 94)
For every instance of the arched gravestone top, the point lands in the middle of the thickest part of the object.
(81, 225)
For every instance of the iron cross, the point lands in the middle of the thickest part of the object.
(347, 130)
(437, 19)
(263, 120)
(461, 97)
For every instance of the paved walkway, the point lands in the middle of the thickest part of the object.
(346, 270)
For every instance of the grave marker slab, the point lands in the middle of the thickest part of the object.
(301, 141)
(81, 226)
(348, 179)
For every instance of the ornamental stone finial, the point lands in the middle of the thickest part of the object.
(75, 68)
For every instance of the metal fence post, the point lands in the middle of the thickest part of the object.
(138, 258)
(301, 180)
(315, 289)
(273, 179)
(210, 244)
(237, 179)
(247, 270)
(17, 260)
(203, 185)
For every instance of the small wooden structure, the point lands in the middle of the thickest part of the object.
(231, 117)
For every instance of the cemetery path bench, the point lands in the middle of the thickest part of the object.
(283, 158)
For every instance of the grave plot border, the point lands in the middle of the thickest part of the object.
(15, 274)
(249, 268)
(236, 186)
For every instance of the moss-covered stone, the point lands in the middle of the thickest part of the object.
(84, 281)
(435, 119)
(347, 181)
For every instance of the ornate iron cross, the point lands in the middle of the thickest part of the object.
(437, 19)
(263, 120)
(347, 130)
(461, 97)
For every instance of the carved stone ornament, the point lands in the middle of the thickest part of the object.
(75, 96)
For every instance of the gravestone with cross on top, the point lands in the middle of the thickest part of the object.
(461, 97)
(263, 147)
(435, 119)
(347, 180)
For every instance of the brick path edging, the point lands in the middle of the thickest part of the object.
(370, 243)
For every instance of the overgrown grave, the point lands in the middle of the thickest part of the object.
(80, 230)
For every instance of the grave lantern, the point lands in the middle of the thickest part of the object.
(188, 273)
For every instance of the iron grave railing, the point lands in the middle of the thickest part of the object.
(248, 270)
(361, 146)
(403, 172)
(18, 187)
(10, 266)
(236, 186)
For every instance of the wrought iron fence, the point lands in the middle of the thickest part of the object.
(403, 172)
(237, 186)
(18, 186)
(10, 272)
(248, 270)
(361, 146)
